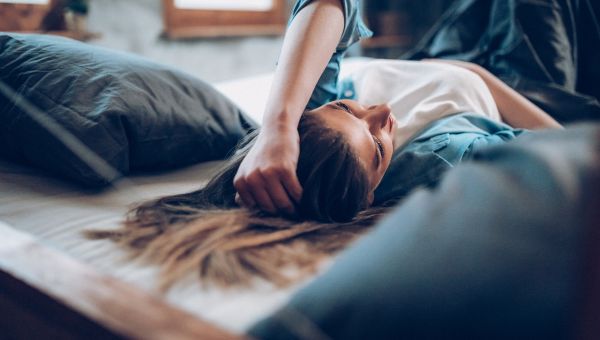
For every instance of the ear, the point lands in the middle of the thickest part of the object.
(371, 197)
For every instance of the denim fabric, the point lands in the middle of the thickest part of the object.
(422, 161)
(326, 89)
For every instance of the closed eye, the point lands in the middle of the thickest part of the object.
(378, 143)
(380, 147)
(344, 107)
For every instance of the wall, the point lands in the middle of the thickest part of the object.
(136, 25)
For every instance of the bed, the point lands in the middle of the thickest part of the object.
(54, 214)
(56, 283)
(41, 211)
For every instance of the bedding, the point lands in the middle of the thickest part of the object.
(56, 212)
(134, 114)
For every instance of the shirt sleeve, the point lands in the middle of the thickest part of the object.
(466, 134)
(439, 147)
(326, 89)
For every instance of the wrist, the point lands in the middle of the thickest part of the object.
(280, 122)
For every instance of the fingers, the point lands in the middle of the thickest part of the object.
(261, 195)
(278, 194)
(253, 194)
(269, 192)
(292, 185)
(245, 199)
(244, 192)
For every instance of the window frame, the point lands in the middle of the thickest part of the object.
(182, 23)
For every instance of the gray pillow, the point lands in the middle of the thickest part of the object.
(134, 114)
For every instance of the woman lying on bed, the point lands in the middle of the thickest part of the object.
(302, 188)
(318, 35)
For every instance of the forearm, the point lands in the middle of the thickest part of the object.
(308, 46)
(515, 109)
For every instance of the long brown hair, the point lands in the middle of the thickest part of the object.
(206, 231)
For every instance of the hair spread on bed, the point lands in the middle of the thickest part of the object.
(205, 231)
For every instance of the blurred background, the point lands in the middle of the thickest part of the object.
(216, 40)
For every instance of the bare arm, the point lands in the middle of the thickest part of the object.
(307, 48)
(514, 109)
(267, 176)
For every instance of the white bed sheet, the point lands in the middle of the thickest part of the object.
(56, 213)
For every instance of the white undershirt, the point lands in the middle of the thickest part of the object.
(421, 92)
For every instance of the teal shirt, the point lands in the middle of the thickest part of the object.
(440, 146)
(326, 89)
(430, 153)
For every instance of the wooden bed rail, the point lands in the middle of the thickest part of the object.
(46, 294)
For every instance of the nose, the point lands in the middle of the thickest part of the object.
(379, 115)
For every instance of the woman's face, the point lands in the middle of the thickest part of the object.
(369, 130)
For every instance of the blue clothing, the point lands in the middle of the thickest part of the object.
(440, 146)
(326, 89)
(430, 153)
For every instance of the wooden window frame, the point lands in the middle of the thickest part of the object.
(34, 18)
(183, 23)
(23, 17)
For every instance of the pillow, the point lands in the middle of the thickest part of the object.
(134, 114)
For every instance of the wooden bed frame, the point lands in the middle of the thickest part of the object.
(46, 294)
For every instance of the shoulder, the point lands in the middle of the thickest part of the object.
(354, 27)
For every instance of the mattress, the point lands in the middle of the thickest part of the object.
(56, 213)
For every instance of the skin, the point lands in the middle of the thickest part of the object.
(515, 110)
(369, 131)
(266, 179)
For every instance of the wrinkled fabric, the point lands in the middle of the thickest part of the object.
(547, 50)
(439, 147)
(133, 114)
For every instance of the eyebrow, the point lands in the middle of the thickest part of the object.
(376, 159)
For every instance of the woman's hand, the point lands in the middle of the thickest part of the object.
(266, 178)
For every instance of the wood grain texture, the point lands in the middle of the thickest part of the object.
(45, 293)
